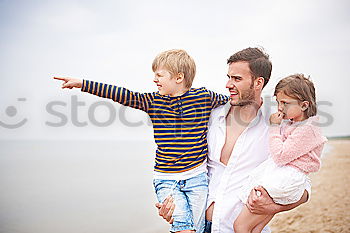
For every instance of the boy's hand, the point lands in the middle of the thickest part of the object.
(276, 118)
(70, 82)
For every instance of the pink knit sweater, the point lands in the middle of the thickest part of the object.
(297, 144)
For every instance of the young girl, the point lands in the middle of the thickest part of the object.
(296, 144)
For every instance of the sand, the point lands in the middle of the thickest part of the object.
(328, 210)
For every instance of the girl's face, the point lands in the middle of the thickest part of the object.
(291, 108)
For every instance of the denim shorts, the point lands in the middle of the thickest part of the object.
(190, 198)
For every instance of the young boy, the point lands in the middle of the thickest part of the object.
(180, 116)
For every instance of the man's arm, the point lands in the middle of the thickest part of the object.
(264, 204)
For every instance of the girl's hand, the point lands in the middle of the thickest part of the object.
(276, 118)
(70, 82)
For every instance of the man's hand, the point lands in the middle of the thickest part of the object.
(166, 209)
(262, 203)
(276, 118)
(70, 82)
(259, 202)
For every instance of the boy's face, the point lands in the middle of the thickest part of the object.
(165, 82)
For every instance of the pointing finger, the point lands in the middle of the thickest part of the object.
(59, 78)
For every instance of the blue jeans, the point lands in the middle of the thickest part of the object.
(190, 197)
(207, 226)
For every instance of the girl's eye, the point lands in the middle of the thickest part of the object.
(283, 103)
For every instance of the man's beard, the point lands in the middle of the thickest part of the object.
(247, 98)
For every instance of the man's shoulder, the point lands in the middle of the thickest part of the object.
(218, 112)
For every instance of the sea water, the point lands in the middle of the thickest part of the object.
(78, 187)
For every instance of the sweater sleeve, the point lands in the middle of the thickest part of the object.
(218, 99)
(121, 95)
(300, 142)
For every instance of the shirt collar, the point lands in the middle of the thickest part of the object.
(262, 114)
(168, 97)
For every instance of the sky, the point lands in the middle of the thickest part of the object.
(115, 42)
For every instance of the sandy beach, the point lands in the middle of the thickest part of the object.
(329, 206)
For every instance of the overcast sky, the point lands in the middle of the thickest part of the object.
(116, 41)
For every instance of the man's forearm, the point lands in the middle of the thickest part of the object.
(263, 204)
(302, 200)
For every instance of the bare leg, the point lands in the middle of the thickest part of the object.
(258, 228)
(247, 221)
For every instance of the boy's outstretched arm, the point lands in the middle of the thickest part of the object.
(121, 95)
(70, 82)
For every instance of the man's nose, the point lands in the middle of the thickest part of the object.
(230, 84)
(155, 79)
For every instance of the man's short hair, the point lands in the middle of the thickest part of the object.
(258, 60)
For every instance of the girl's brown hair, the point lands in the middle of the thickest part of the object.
(301, 88)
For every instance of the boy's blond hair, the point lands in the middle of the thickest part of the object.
(301, 88)
(176, 61)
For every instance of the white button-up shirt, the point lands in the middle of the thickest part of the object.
(225, 181)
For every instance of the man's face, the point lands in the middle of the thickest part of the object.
(240, 84)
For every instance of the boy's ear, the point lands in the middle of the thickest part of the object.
(259, 82)
(304, 105)
(180, 77)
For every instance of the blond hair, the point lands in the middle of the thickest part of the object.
(176, 61)
(301, 88)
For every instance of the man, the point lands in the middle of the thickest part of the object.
(237, 143)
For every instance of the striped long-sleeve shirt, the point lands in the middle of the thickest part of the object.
(180, 123)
